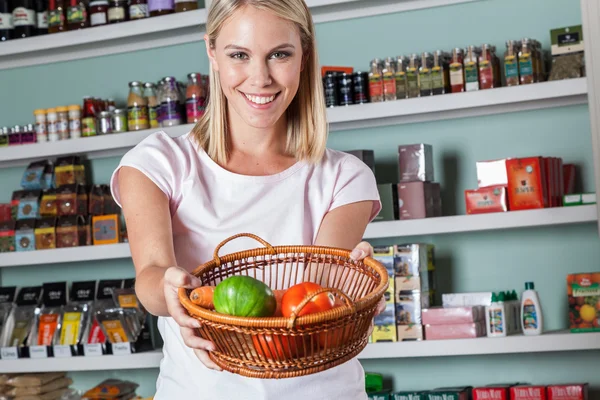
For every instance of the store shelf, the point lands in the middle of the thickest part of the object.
(540, 95)
(461, 105)
(483, 222)
(171, 30)
(73, 254)
(549, 342)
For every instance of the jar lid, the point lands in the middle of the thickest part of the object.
(169, 79)
(119, 111)
(61, 109)
(99, 3)
(74, 107)
(149, 85)
(51, 111)
(194, 75)
(105, 114)
(39, 111)
(135, 84)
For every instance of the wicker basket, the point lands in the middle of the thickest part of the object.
(278, 347)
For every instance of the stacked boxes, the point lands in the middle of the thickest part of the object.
(385, 323)
(454, 323)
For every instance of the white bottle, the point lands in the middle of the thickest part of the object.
(495, 317)
(531, 311)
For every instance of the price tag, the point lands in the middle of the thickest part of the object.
(38, 352)
(62, 351)
(121, 349)
(9, 353)
(92, 350)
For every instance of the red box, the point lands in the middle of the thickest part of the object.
(486, 200)
(561, 181)
(549, 174)
(569, 178)
(528, 393)
(5, 212)
(526, 183)
(491, 393)
(332, 68)
(568, 392)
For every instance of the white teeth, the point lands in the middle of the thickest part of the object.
(260, 99)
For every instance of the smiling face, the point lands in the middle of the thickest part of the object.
(259, 59)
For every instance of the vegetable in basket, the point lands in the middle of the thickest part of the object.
(244, 296)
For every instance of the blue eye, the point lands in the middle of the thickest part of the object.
(238, 56)
(279, 55)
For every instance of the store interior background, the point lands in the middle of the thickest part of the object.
(489, 261)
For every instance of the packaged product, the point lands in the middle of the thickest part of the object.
(409, 395)
(45, 233)
(48, 387)
(415, 200)
(78, 313)
(34, 380)
(96, 200)
(569, 177)
(49, 319)
(36, 176)
(453, 315)
(459, 393)
(415, 163)
(526, 183)
(111, 389)
(19, 327)
(110, 206)
(388, 194)
(29, 206)
(381, 395)
(583, 291)
(486, 200)
(413, 259)
(7, 236)
(48, 206)
(25, 234)
(409, 307)
(577, 391)
(409, 332)
(7, 298)
(71, 231)
(567, 53)
(488, 393)
(106, 229)
(455, 331)
(527, 392)
(14, 203)
(466, 299)
(69, 171)
(68, 200)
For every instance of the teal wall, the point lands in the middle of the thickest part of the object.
(465, 262)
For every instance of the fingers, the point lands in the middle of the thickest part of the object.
(192, 340)
(362, 250)
(381, 306)
(181, 316)
(177, 277)
(371, 327)
(205, 359)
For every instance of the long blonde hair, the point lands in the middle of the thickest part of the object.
(306, 115)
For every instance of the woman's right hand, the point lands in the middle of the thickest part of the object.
(175, 278)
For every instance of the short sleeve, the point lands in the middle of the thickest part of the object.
(157, 157)
(355, 182)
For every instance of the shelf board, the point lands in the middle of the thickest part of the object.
(174, 29)
(73, 254)
(493, 101)
(483, 222)
(549, 342)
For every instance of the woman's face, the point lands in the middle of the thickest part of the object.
(259, 59)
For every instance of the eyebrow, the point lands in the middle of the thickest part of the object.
(281, 46)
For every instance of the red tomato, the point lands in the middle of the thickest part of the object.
(333, 338)
(294, 296)
(277, 348)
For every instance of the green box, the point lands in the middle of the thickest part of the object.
(409, 396)
(382, 395)
(388, 194)
(450, 393)
(579, 199)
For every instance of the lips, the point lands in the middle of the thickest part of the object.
(260, 99)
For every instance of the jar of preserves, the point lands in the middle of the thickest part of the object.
(412, 76)
(137, 108)
(170, 104)
(425, 82)
(74, 121)
(138, 9)
(40, 125)
(88, 117)
(117, 11)
(105, 123)
(99, 12)
(457, 79)
(160, 7)
(119, 120)
(185, 5)
(471, 69)
(153, 104)
(62, 122)
(52, 121)
(77, 17)
(57, 16)
(511, 65)
(376, 81)
(527, 70)
(6, 22)
(24, 19)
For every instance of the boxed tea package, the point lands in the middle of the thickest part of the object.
(38, 175)
(29, 205)
(19, 328)
(5, 212)
(583, 291)
(413, 267)
(96, 200)
(110, 205)
(575, 391)
(48, 206)
(45, 233)
(7, 236)
(527, 183)
(409, 395)
(71, 231)
(106, 229)
(415, 163)
(25, 235)
(415, 200)
(69, 171)
(67, 201)
(388, 194)
(15, 200)
(486, 200)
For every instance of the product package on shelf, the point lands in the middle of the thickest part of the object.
(579, 199)
(466, 299)
(29, 204)
(49, 321)
(7, 236)
(118, 389)
(388, 194)
(583, 292)
(415, 163)
(486, 200)
(577, 391)
(409, 395)
(38, 176)
(77, 317)
(385, 323)
(7, 298)
(69, 171)
(25, 235)
(96, 340)
(19, 329)
(450, 393)
(567, 53)
(528, 392)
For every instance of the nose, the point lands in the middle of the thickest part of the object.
(260, 74)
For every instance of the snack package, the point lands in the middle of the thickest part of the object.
(34, 380)
(45, 233)
(19, 327)
(25, 235)
(104, 301)
(48, 206)
(7, 298)
(111, 389)
(69, 171)
(49, 319)
(78, 313)
(48, 387)
(29, 205)
(7, 236)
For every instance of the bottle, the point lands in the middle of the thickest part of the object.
(52, 120)
(41, 8)
(77, 16)
(57, 16)
(376, 82)
(195, 98)
(88, 117)
(160, 7)
(457, 79)
(389, 79)
(169, 103)
(400, 78)
(153, 104)
(495, 316)
(516, 313)
(138, 9)
(74, 121)
(531, 311)
(471, 69)
(6, 21)
(425, 81)
(137, 108)
(185, 5)
(24, 19)
(40, 125)
(412, 76)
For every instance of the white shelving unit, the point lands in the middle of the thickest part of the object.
(549, 342)
(73, 254)
(484, 102)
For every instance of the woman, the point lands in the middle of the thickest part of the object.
(256, 163)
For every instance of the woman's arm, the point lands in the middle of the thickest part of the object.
(345, 226)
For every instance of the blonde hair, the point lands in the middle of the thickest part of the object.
(306, 115)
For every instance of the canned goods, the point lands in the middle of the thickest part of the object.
(361, 87)
(119, 121)
(105, 124)
(346, 89)
(330, 85)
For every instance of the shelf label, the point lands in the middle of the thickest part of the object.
(9, 353)
(62, 351)
(92, 350)
(38, 352)
(121, 349)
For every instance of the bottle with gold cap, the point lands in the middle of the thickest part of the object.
(51, 127)
(74, 121)
(40, 125)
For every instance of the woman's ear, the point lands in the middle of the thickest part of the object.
(210, 51)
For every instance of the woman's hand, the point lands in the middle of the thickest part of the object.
(175, 278)
(362, 250)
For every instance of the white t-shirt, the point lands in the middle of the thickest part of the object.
(208, 204)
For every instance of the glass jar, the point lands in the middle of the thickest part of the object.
(99, 12)
(400, 77)
(389, 79)
(527, 67)
(195, 98)
(185, 5)
(425, 81)
(24, 19)
(77, 17)
(160, 7)
(457, 78)
(74, 121)
(62, 123)
(137, 108)
(117, 11)
(376, 81)
(105, 123)
(471, 69)
(169, 103)
(119, 122)
(88, 120)
(153, 104)
(52, 120)
(40, 125)
(57, 16)
(412, 76)
(511, 65)
(138, 9)
(440, 78)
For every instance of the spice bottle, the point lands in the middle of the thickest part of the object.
(6, 22)
(24, 19)
(52, 121)
(360, 87)
(400, 78)
(62, 123)
(471, 69)
(412, 76)
(41, 9)
(185, 5)
(137, 108)
(117, 11)
(99, 12)
(138, 9)
(439, 73)
(331, 90)
(389, 79)
(57, 16)
(88, 120)
(74, 121)
(425, 83)
(195, 98)
(511, 66)
(486, 68)
(153, 104)
(40, 125)
(457, 79)
(376, 82)
(77, 17)
(160, 7)
(119, 120)
(170, 104)
(526, 62)
(346, 88)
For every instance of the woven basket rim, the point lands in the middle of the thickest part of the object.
(281, 322)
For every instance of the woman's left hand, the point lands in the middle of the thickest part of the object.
(362, 250)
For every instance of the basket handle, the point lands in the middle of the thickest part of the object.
(250, 235)
(308, 298)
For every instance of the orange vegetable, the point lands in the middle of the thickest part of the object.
(203, 297)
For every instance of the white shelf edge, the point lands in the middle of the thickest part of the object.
(485, 102)
(67, 255)
(482, 222)
(172, 30)
(548, 342)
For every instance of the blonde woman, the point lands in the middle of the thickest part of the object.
(257, 162)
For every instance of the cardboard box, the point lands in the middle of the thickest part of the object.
(384, 333)
(106, 229)
(568, 392)
(453, 315)
(407, 333)
(409, 307)
(436, 192)
(526, 183)
(569, 176)
(415, 200)
(486, 200)
(388, 195)
(455, 331)
(583, 292)
(413, 259)
(415, 163)
(528, 393)
(491, 393)
(467, 299)
(385, 255)
(409, 395)
(461, 393)
(491, 173)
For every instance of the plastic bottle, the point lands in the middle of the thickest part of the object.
(495, 316)
(516, 313)
(531, 311)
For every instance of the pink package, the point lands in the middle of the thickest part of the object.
(455, 331)
(453, 315)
